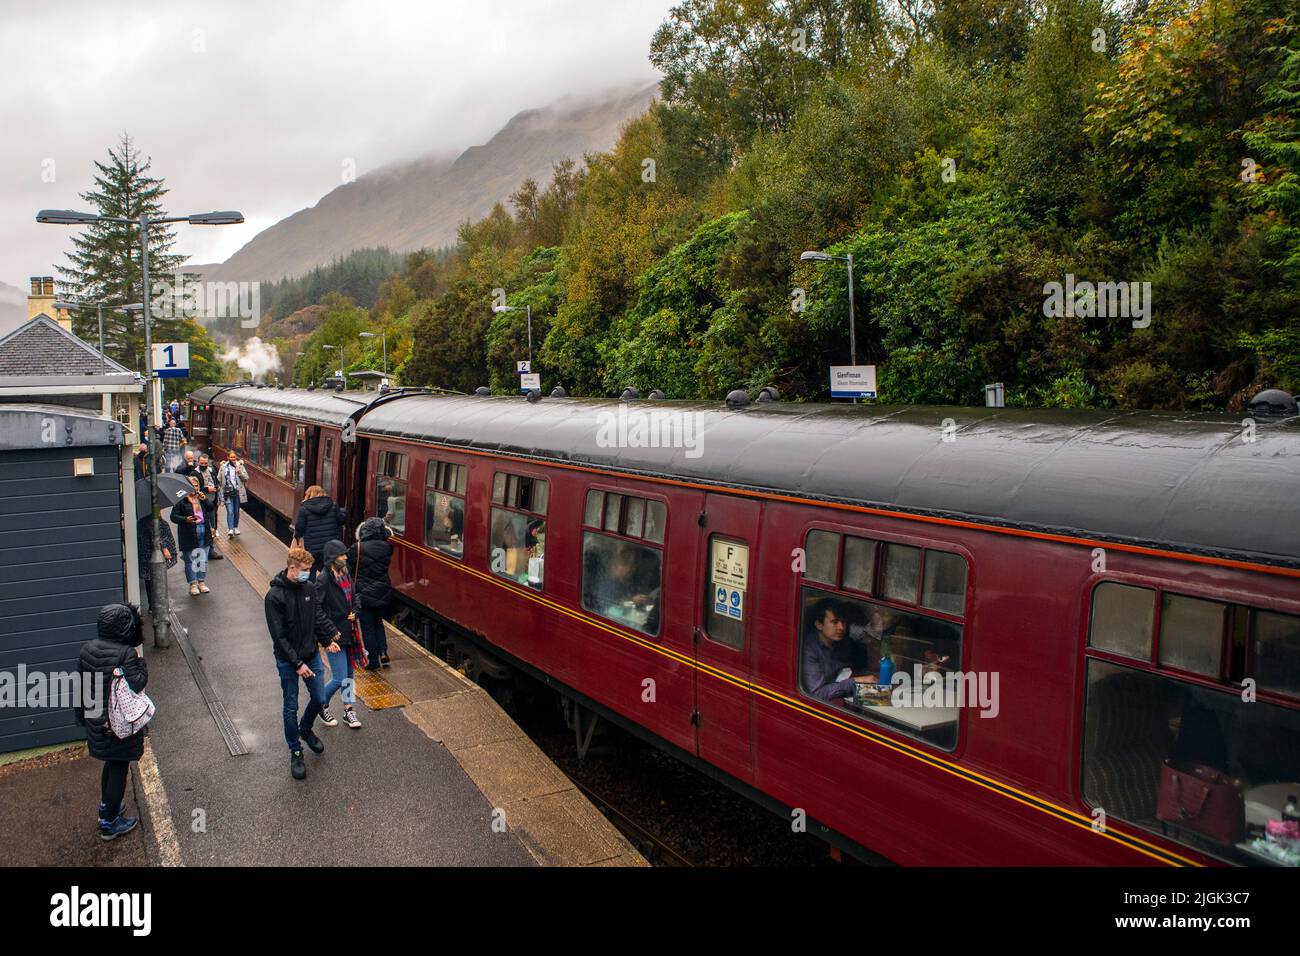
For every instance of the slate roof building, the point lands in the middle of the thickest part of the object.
(43, 363)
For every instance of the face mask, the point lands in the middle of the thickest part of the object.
(303, 575)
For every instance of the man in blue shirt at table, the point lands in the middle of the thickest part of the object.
(827, 652)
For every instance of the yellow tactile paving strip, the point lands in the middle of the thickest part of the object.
(376, 693)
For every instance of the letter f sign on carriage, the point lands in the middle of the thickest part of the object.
(171, 359)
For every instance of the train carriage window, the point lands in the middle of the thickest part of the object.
(621, 581)
(444, 507)
(902, 573)
(635, 523)
(390, 489)
(656, 518)
(843, 640)
(517, 540)
(821, 551)
(622, 570)
(327, 467)
(1123, 617)
(1143, 730)
(499, 488)
(1276, 652)
(266, 446)
(594, 509)
(945, 582)
(860, 564)
(1191, 634)
(255, 444)
(282, 453)
(613, 511)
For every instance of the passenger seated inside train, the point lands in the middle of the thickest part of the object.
(509, 555)
(832, 662)
(622, 581)
(445, 517)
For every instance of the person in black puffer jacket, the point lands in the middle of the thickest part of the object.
(299, 627)
(368, 560)
(319, 521)
(110, 653)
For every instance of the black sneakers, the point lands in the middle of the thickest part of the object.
(383, 659)
(296, 766)
(328, 719)
(311, 740)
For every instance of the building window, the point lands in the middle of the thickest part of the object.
(444, 507)
(517, 541)
(622, 572)
(390, 489)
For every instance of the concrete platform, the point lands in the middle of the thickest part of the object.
(445, 777)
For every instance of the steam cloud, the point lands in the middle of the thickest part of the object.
(254, 356)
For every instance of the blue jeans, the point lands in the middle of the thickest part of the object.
(293, 727)
(196, 564)
(232, 512)
(341, 676)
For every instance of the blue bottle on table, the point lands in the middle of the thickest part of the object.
(886, 671)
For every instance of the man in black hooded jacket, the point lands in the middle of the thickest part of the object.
(112, 653)
(298, 624)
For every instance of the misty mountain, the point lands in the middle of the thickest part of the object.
(13, 308)
(421, 204)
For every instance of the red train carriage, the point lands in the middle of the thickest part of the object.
(289, 438)
(1118, 582)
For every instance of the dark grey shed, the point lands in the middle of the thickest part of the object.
(61, 551)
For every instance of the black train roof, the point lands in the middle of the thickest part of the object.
(1165, 479)
(323, 406)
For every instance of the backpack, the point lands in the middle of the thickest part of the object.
(128, 711)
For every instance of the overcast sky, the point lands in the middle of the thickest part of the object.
(256, 105)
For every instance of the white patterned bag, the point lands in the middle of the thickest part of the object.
(128, 711)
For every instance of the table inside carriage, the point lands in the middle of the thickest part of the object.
(909, 710)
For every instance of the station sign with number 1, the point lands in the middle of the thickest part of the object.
(171, 359)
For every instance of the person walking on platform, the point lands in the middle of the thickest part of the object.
(144, 543)
(232, 481)
(336, 593)
(319, 520)
(173, 441)
(298, 624)
(110, 654)
(369, 559)
(191, 520)
(207, 476)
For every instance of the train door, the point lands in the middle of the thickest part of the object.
(303, 462)
(725, 632)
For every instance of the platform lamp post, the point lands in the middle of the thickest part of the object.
(379, 335)
(827, 257)
(69, 217)
(331, 348)
(68, 306)
(295, 364)
(515, 308)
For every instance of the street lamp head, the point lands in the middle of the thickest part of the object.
(226, 217)
(504, 308)
(815, 257)
(370, 335)
(66, 217)
(130, 307)
(69, 306)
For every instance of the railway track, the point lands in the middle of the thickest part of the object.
(651, 846)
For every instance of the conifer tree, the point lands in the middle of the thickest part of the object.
(105, 263)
